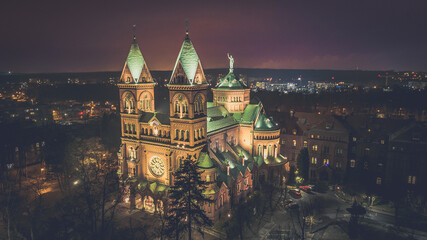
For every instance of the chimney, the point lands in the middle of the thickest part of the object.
(228, 170)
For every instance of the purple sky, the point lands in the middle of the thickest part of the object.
(91, 35)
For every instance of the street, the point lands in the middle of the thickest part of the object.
(319, 210)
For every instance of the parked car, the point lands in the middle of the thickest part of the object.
(295, 193)
(305, 188)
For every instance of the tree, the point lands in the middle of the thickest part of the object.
(240, 216)
(91, 189)
(186, 200)
(356, 210)
(303, 163)
(300, 216)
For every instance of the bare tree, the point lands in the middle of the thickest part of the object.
(301, 216)
(93, 185)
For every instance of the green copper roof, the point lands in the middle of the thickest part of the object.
(221, 123)
(218, 111)
(275, 160)
(188, 58)
(265, 124)
(154, 187)
(231, 82)
(135, 61)
(250, 113)
(205, 161)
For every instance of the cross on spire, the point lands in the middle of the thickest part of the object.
(134, 31)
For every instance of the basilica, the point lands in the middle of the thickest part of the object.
(236, 145)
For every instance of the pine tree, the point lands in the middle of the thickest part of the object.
(186, 200)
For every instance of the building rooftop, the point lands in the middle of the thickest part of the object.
(265, 123)
(205, 161)
(135, 61)
(189, 60)
(230, 81)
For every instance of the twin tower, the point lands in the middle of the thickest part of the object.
(153, 143)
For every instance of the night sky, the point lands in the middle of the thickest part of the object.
(76, 36)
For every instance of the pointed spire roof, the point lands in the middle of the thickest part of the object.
(135, 61)
(188, 59)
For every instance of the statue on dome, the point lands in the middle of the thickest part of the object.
(231, 61)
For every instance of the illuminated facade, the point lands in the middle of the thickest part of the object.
(235, 143)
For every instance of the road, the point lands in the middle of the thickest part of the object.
(335, 208)
(285, 222)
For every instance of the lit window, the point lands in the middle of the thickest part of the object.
(313, 160)
(294, 142)
(411, 179)
(326, 162)
(305, 143)
(352, 163)
(312, 136)
(314, 147)
(382, 141)
(208, 178)
(354, 139)
(379, 181)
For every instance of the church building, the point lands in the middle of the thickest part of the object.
(234, 142)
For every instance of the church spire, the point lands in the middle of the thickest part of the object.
(186, 29)
(134, 33)
(187, 70)
(135, 66)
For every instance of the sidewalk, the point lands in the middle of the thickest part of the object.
(374, 209)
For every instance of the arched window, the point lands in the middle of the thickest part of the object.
(259, 150)
(182, 135)
(132, 153)
(128, 103)
(270, 150)
(180, 105)
(208, 178)
(177, 108)
(198, 105)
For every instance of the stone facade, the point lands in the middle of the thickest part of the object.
(235, 143)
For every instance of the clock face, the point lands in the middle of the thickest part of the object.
(157, 166)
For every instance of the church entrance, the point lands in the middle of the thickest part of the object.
(149, 204)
